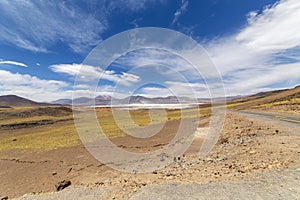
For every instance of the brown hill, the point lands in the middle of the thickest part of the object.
(266, 97)
(16, 101)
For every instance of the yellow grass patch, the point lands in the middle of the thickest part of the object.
(285, 102)
(64, 134)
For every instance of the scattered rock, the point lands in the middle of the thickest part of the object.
(252, 152)
(62, 185)
(154, 172)
(162, 159)
(54, 173)
(209, 160)
(221, 158)
(99, 183)
(4, 198)
(270, 166)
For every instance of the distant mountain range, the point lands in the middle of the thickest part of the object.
(107, 100)
(7, 101)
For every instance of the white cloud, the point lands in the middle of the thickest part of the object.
(264, 53)
(262, 78)
(37, 25)
(161, 61)
(132, 5)
(9, 62)
(32, 87)
(89, 73)
(179, 12)
(275, 29)
(179, 89)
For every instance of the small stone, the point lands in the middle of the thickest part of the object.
(154, 172)
(276, 131)
(99, 183)
(54, 173)
(4, 198)
(270, 166)
(252, 152)
(168, 174)
(62, 185)
(14, 140)
(162, 159)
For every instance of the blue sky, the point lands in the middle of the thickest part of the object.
(254, 44)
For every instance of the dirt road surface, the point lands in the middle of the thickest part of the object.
(286, 119)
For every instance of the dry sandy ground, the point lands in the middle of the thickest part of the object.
(247, 148)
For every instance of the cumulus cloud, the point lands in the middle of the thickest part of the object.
(9, 62)
(275, 29)
(160, 60)
(265, 52)
(89, 73)
(31, 87)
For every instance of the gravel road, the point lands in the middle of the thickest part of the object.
(273, 185)
(283, 184)
(291, 120)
